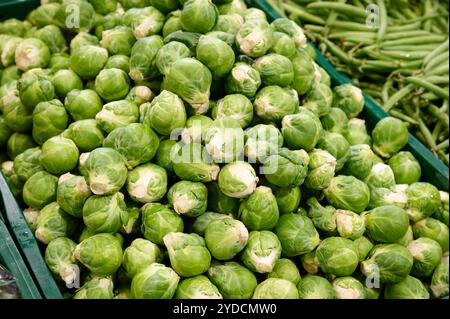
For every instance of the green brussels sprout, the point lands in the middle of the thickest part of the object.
(292, 29)
(274, 103)
(8, 49)
(165, 6)
(275, 288)
(40, 189)
(58, 257)
(235, 106)
(443, 213)
(225, 237)
(386, 224)
(140, 94)
(72, 193)
(155, 282)
(117, 114)
(348, 224)
(83, 104)
(254, 38)
(88, 60)
(230, 23)
(219, 202)
(10, 74)
(65, 81)
(201, 222)
(285, 269)
(337, 146)
(135, 142)
(348, 98)
(283, 45)
(380, 176)
(198, 16)
(159, 220)
(363, 247)
(118, 40)
(233, 280)
(53, 37)
(59, 155)
(198, 287)
(263, 249)
(261, 141)
(189, 164)
(95, 288)
(100, 253)
(112, 84)
(337, 256)
(19, 143)
(170, 53)
(303, 72)
(163, 155)
(105, 171)
(188, 198)
(315, 287)
(348, 288)
(335, 121)
(52, 223)
(133, 226)
(433, 229)
(28, 163)
(297, 234)
(143, 58)
(408, 288)
(194, 91)
(45, 14)
(384, 196)
(85, 15)
(31, 53)
(118, 61)
(172, 23)
(82, 39)
(49, 119)
(146, 22)
(391, 263)
(252, 13)
(17, 117)
(139, 255)
(5, 132)
(426, 254)
(347, 192)
(390, 135)
(356, 132)
(190, 39)
(147, 183)
(14, 27)
(104, 6)
(323, 218)
(407, 238)
(35, 89)
(188, 253)
(423, 200)
(86, 135)
(321, 169)
(405, 167)
(259, 211)
(243, 79)
(359, 161)
(195, 126)
(439, 280)
(133, 4)
(301, 130)
(288, 198)
(216, 54)
(237, 179)
(59, 61)
(319, 99)
(12, 179)
(275, 69)
(286, 168)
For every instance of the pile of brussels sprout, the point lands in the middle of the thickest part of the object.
(191, 149)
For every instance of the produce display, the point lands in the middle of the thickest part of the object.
(396, 51)
(193, 149)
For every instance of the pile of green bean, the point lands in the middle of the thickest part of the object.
(396, 51)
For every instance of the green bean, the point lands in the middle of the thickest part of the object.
(383, 20)
(428, 10)
(430, 96)
(414, 40)
(436, 131)
(436, 79)
(385, 91)
(404, 55)
(438, 114)
(443, 145)
(427, 135)
(395, 98)
(403, 117)
(302, 14)
(437, 61)
(351, 26)
(405, 27)
(335, 50)
(343, 8)
(429, 86)
(314, 28)
(331, 18)
(411, 48)
(437, 51)
(439, 70)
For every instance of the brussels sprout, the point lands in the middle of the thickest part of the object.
(140, 94)
(198, 287)
(189, 163)
(40, 189)
(148, 21)
(112, 84)
(117, 114)
(274, 103)
(139, 255)
(219, 202)
(235, 106)
(82, 39)
(260, 210)
(407, 238)
(261, 141)
(188, 198)
(348, 224)
(85, 134)
(95, 288)
(442, 213)
(322, 217)
(118, 61)
(286, 168)
(133, 4)
(254, 38)
(225, 237)
(408, 288)
(88, 60)
(356, 132)
(337, 256)
(58, 257)
(172, 23)
(243, 79)
(190, 39)
(288, 198)
(45, 14)
(65, 81)
(104, 6)
(405, 167)
(165, 6)
(275, 69)
(52, 36)
(386, 224)
(380, 176)
(170, 53)
(275, 288)
(202, 221)
(423, 201)
(237, 179)
(301, 130)
(217, 55)
(347, 192)
(348, 98)
(35, 89)
(439, 280)
(17, 117)
(10, 74)
(427, 254)
(84, 20)
(335, 121)
(194, 91)
(230, 23)
(319, 99)
(196, 125)
(283, 44)
(297, 234)
(83, 104)
(315, 287)
(292, 29)
(5, 132)
(303, 72)
(8, 49)
(337, 146)
(391, 263)
(31, 53)
(19, 143)
(163, 155)
(155, 282)
(147, 183)
(360, 161)
(285, 269)
(12, 179)
(52, 223)
(59, 61)
(321, 169)
(59, 155)
(363, 247)
(159, 220)
(135, 142)
(433, 229)
(28, 163)
(198, 16)
(143, 58)
(348, 288)
(390, 135)
(105, 171)
(49, 119)
(118, 40)
(72, 193)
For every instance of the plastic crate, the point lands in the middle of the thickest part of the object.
(16, 8)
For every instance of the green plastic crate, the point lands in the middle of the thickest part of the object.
(16, 8)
